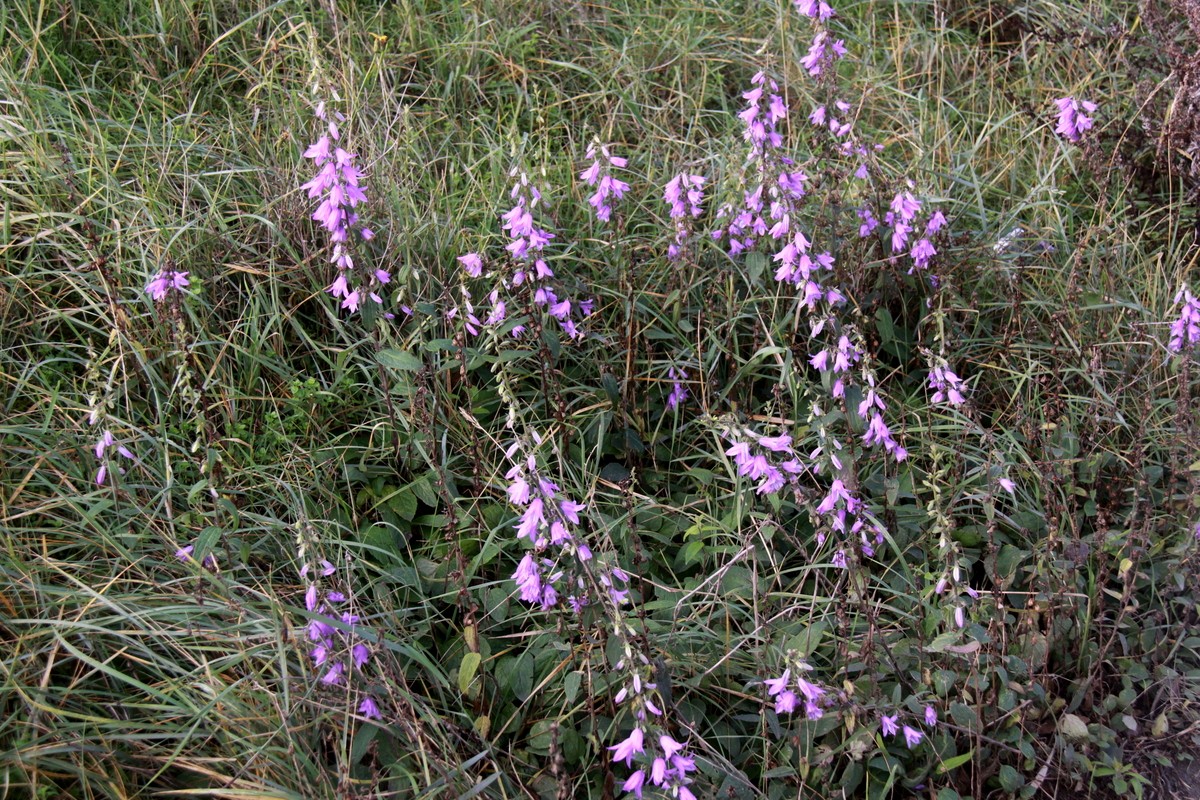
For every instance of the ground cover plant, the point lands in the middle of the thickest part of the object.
(682, 399)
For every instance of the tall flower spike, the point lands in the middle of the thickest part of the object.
(599, 175)
(338, 187)
(685, 195)
(1185, 331)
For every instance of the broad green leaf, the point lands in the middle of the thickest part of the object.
(466, 671)
(400, 359)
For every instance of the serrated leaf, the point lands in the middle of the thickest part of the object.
(400, 359)
(466, 671)
(423, 488)
(403, 503)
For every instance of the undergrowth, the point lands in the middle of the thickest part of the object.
(699, 400)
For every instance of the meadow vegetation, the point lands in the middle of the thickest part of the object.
(569, 399)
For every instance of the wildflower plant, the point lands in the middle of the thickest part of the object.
(759, 477)
(337, 186)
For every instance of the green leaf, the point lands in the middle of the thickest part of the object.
(614, 472)
(400, 359)
(942, 641)
(756, 265)
(403, 503)
(571, 685)
(1073, 727)
(205, 542)
(423, 488)
(964, 716)
(955, 762)
(1010, 779)
(805, 642)
(466, 671)
(885, 326)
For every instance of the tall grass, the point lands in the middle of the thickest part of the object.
(269, 429)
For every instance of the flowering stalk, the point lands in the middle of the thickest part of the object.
(549, 522)
(1185, 330)
(341, 653)
(685, 195)
(337, 185)
(679, 392)
(103, 445)
(599, 175)
(526, 246)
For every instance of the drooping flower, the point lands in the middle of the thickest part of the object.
(912, 736)
(630, 747)
(1072, 121)
(164, 281)
(608, 187)
(369, 709)
(679, 392)
(1185, 331)
(338, 188)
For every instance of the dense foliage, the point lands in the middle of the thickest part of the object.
(558, 399)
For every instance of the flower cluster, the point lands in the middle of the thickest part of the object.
(685, 195)
(769, 460)
(599, 175)
(797, 267)
(527, 240)
(547, 521)
(526, 247)
(790, 693)
(947, 387)
(669, 763)
(1072, 121)
(822, 53)
(1185, 331)
(771, 199)
(164, 281)
(679, 392)
(889, 725)
(338, 651)
(842, 513)
(902, 218)
(187, 552)
(817, 9)
(472, 264)
(952, 581)
(837, 361)
(103, 445)
(337, 186)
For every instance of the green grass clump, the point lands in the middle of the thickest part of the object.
(1047, 622)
